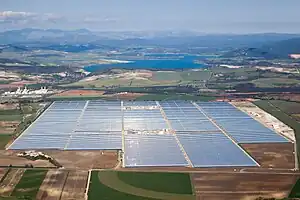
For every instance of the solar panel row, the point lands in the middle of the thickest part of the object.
(144, 120)
(213, 149)
(70, 141)
(240, 126)
(152, 150)
(187, 118)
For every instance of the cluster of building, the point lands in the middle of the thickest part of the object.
(27, 93)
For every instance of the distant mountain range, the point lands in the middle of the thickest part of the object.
(280, 49)
(159, 38)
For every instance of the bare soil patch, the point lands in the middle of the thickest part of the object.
(9, 157)
(8, 127)
(274, 155)
(242, 185)
(9, 106)
(80, 93)
(85, 159)
(75, 185)
(52, 186)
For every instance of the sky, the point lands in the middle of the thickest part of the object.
(205, 16)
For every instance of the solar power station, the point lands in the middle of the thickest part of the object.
(150, 133)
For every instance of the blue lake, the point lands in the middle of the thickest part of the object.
(181, 62)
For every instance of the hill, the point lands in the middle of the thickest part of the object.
(280, 49)
(135, 38)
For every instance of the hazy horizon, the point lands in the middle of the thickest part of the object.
(205, 16)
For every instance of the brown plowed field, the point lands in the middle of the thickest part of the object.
(8, 106)
(10, 158)
(273, 155)
(11, 180)
(52, 186)
(8, 126)
(80, 93)
(75, 185)
(2, 173)
(226, 186)
(85, 159)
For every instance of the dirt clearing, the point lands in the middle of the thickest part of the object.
(85, 159)
(10, 158)
(274, 155)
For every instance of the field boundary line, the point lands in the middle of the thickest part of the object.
(63, 186)
(86, 194)
(225, 133)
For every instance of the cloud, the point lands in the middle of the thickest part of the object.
(27, 18)
(90, 19)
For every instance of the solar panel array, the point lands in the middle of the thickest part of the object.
(184, 116)
(94, 125)
(152, 150)
(74, 125)
(240, 126)
(144, 120)
(213, 149)
(101, 116)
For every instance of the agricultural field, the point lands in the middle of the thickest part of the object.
(14, 118)
(290, 108)
(29, 184)
(295, 193)
(143, 78)
(52, 186)
(275, 82)
(125, 185)
(11, 179)
(162, 97)
(240, 186)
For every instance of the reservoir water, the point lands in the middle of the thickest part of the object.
(157, 61)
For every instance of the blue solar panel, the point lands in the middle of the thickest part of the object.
(41, 142)
(139, 103)
(240, 126)
(90, 141)
(152, 150)
(213, 150)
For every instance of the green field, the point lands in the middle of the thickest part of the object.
(159, 78)
(29, 184)
(275, 82)
(160, 182)
(290, 108)
(295, 193)
(4, 139)
(111, 185)
(11, 117)
(195, 75)
(98, 191)
(162, 97)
